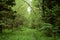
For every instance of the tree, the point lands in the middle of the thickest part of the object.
(36, 16)
(51, 14)
(6, 13)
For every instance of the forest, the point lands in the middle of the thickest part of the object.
(29, 19)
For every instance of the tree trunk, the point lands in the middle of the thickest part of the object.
(0, 29)
(43, 7)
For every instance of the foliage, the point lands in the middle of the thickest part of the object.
(51, 14)
(41, 23)
(6, 14)
(36, 14)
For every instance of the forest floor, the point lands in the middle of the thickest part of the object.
(26, 34)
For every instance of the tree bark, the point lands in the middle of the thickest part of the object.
(0, 29)
(43, 7)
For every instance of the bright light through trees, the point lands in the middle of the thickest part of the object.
(29, 8)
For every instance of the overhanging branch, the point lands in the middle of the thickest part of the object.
(28, 5)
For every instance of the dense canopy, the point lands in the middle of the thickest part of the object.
(30, 19)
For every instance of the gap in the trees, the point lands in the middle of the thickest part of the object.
(29, 8)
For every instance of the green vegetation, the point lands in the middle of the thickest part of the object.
(29, 20)
(26, 34)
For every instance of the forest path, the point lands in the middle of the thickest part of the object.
(26, 34)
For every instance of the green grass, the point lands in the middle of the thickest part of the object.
(26, 34)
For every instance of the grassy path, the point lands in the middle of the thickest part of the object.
(27, 34)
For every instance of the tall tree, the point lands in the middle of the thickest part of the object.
(52, 12)
(6, 13)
